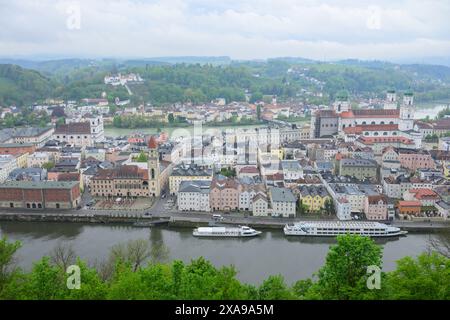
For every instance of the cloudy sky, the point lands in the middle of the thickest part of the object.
(241, 29)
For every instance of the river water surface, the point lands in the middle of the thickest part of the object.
(255, 259)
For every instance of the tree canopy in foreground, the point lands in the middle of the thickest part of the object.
(126, 276)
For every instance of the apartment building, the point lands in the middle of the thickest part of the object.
(225, 194)
(376, 207)
(7, 164)
(260, 205)
(194, 195)
(188, 172)
(283, 202)
(314, 197)
(38, 159)
(359, 168)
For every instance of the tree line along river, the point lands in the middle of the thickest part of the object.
(255, 259)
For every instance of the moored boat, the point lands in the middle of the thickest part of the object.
(242, 231)
(334, 228)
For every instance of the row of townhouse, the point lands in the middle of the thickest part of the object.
(226, 194)
(367, 199)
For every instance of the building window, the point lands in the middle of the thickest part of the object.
(28, 206)
(11, 205)
(57, 206)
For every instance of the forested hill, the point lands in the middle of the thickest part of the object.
(19, 86)
(201, 80)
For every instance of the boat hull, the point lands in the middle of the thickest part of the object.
(388, 235)
(195, 234)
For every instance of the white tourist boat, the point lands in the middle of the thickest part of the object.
(334, 228)
(242, 231)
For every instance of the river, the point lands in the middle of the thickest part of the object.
(421, 112)
(255, 259)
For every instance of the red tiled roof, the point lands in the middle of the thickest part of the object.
(275, 177)
(74, 128)
(376, 113)
(442, 124)
(409, 204)
(249, 170)
(152, 143)
(371, 127)
(371, 113)
(347, 114)
(122, 172)
(69, 176)
(424, 193)
(376, 199)
(423, 125)
(372, 140)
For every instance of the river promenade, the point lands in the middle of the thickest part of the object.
(181, 219)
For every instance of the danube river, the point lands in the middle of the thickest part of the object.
(255, 259)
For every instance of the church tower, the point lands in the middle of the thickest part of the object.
(153, 168)
(391, 100)
(342, 103)
(407, 112)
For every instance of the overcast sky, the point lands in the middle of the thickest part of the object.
(241, 29)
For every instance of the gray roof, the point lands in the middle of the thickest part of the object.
(35, 174)
(358, 162)
(14, 145)
(39, 184)
(191, 170)
(24, 132)
(282, 195)
(290, 165)
(313, 191)
(443, 205)
(195, 186)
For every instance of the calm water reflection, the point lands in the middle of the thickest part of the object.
(255, 259)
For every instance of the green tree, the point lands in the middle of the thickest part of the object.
(142, 157)
(171, 118)
(258, 111)
(8, 270)
(228, 172)
(274, 288)
(424, 278)
(344, 273)
(48, 165)
(302, 209)
(329, 208)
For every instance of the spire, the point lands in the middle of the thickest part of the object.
(152, 143)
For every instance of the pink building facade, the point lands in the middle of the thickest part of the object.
(224, 194)
(376, 207)
(414, 161)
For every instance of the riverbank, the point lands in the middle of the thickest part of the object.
(130, 218)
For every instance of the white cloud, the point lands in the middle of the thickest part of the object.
(240, 29)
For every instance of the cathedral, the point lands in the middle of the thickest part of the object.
(394, 115)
